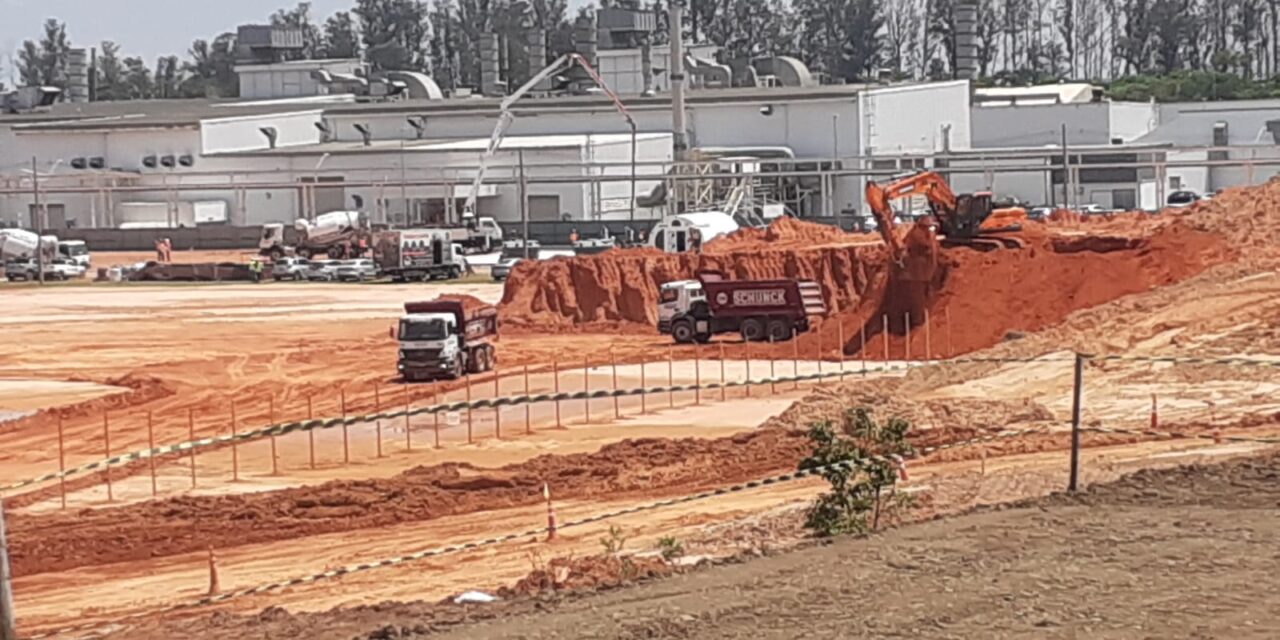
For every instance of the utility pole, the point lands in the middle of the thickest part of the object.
(7, 628)
(679, 130)
(524, 202)
(39, 219)
(1066, 170)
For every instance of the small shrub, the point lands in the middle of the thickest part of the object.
(862, 488)
(670, 548)
(614, 541)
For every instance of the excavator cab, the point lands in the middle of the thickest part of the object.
(971, 210)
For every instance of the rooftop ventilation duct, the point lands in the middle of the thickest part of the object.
(271, 134)
(365, 133)
(419, 124)
(1273, 126)
(417, 86)
(326, 132)
(29, 99)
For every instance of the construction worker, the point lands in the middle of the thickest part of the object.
(573, 236)
(160, 250)
(255, 267)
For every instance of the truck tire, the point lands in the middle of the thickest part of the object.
(336, 252)
(753, 330)
(779, 330)
(455, 273)
(684, 331)
(490, 359)
(305, 253)
(276, 253)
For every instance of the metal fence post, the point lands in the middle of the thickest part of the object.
(7, 629)
(1073, 483)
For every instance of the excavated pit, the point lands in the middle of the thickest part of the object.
(971, 299)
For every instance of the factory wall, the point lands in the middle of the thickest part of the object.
(246, 133)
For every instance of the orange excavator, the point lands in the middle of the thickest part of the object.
(967, 219)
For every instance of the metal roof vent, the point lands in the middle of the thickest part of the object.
(271, 134)
(365, 133)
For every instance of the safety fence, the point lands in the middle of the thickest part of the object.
(236, 437)
(1076, 428)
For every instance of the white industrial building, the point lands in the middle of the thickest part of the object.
(150, 163)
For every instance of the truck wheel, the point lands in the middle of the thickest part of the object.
(276, 253)
(455, 273)
(305, 253)
(335, 253)
(753, 330)
(490, 359)
(779, 330)
(683, 331)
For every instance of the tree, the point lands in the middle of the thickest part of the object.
(137, 79)
(211, 69)
(299, 18)
(902, 20)
(859, 463)
(45, 62)
(166, 78)
(841, 37)
(341, 37)
(394, 32)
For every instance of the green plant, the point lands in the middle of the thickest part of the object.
(614, 541)
(857, 462)
(670, 548)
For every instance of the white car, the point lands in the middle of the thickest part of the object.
(356, 271)
(1182, 199)
(323, 270)
(1093, 209)
(58, 269)
(290, 269)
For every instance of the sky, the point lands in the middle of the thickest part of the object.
(146, 28)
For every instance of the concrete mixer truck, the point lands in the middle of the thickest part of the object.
(337, 234)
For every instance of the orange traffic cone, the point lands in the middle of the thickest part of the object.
(213, 573)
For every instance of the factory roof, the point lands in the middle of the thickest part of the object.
(155, 113)
(191, 112)
(510, 143)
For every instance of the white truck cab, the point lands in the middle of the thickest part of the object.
(676, 299)
(431, 337)
(76, 251)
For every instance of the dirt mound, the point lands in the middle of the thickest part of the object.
(622, 286)
(590, 573)
(781, 233)
(52, 542)
(141, 389)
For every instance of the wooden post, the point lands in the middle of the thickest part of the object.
(795, 358)
(106, 448)
(928, 338)
(1077, 397)
(151, 459)
(644, 389)
(723, 389)
(697, 375)
(613, 360)
(311, 433)
(497, 410)
(497, 393)
(377, 425)
(528, 425)
(235, 448)
(62, 463)
(947, 319)
(435, 422)
(862, 353)
(840, 328)
(408, 430)
(671, 377)
(586, 390)
(191, 437)
(7, 629)
(747, 346)
(346, 439)
(819, 378)
(773, 377)
(271, 420)
(906, 343)
(470, 438)
(886, 340)
(555, 373)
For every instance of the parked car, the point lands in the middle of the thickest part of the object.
(323, 270)
(1093, 209)
(503, 267)
(289, 268)
(356, 270)
(58, 269)
(1039, 213)
(1182, 199)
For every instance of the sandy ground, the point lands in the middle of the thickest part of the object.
(226, 357)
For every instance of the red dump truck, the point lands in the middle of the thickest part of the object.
(695, 310)
(446, 339)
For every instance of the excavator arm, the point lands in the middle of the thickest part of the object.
(942, 201)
